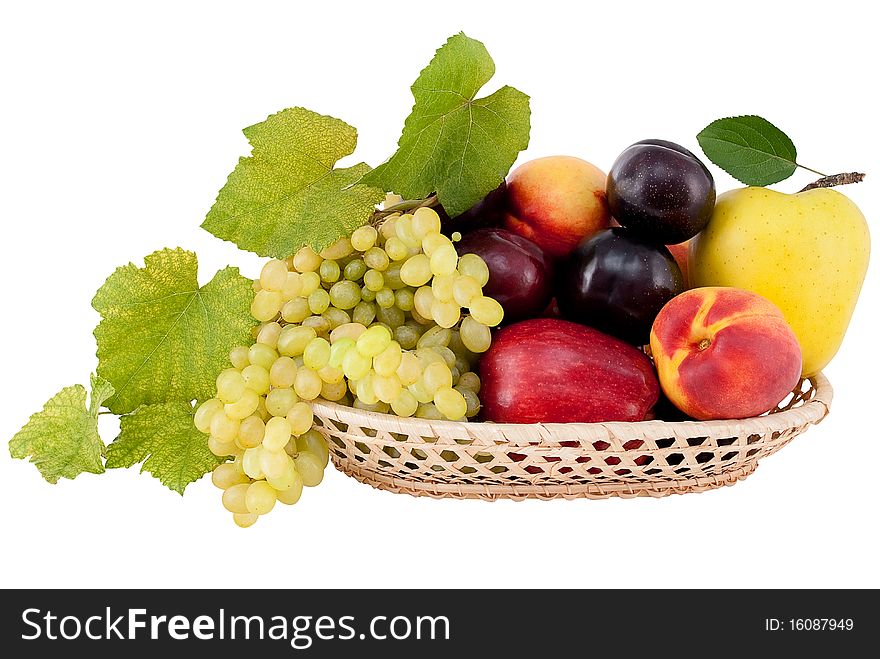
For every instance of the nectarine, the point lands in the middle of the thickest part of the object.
(724, 353)
(556, 201)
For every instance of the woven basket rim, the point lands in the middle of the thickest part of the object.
(810, 412)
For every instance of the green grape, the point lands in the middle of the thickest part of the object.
(317, 323)
(333, 391)
(436, 336)
(434, 241)
(349, 330)
(409, 371)
(364, 238)
(220, 449)
(307, 384)
(311, 281)
(286, 480)
(251, 432)
(355, 269)
(336, 317)
(421, 394)
(256, 378)
(405, 404)
(392, 277)
(338, 348)
(266, 305)
(373, 341)
(475, 267)
(279, 401)
(262, 355)
(396, 249)
(367, 295)
(416, 271)
(300, 418)
(239, 357)
(470, 380)
(355, 365)
(206, 412)
(404, 299)
(244, 406)
(329, 271)
(423, 301)
(310, 468)
(403, 229)
(314, 442)
(406, 336)
(385, 298)
(486, 311)
(317, 354)
(228, 474)
(425, 221)
(338, 250)
(305, 260)
(364, 313)
(386, 388)
(293, 340)
(273, 464)
(379, 406)
(319, 301)
(444, 260)
(273, 276)
(234, 498)
(374, 280)
(230, 385)
(259, 498)
(442, 286)
(475, 336)
(365, 391)
(388, 226)
(429, 411)
(445, 314)
(296, 310)
(345, 294)
(250, 462)
(376, 258)
(387, 361)
(471, 400)
(268, 334)
(292, 287)
(437, 376)
(450, 403)
(292, 494)
(445, 354)
(331, 374)
(465, 289)
(276, 435)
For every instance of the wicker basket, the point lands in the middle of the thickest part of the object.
(546, 461)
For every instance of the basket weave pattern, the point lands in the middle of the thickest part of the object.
(574, 460)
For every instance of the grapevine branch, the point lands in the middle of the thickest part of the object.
(404, 206)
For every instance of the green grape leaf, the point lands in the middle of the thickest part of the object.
(62, 440)
(750, 149)
(162, 337)
(287, 193)
(165, 440)
(455, 144)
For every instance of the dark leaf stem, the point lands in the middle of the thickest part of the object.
(834, 180)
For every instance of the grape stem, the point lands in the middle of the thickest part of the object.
(403, 206)
(835, 179)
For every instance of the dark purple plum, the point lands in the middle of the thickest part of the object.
(617, 282)
(661, 191)
(488, 212)
(520, 274)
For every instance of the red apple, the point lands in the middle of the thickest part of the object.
(556, 201)
(553, 371)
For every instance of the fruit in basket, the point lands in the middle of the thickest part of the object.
(724, 353)
(554, 371)
(617, 283)
(556, 201)
(661, 191)
(520, 274)
(488, 212)
(806, 252)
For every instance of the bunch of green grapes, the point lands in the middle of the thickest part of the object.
(374, 321)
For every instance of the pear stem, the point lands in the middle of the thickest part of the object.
(835, 179)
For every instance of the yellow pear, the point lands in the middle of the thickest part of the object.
(805, 252)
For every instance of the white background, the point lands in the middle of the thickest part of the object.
(119, 124)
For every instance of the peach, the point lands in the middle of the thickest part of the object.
(724, 353)
(556, 201)
(679, 252)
